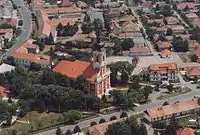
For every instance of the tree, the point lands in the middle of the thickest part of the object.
(69, 132)
(102, 120)
(194, 58)
(169, 32)
(142, 130)
(123, 114)
(127, 43)
(172, 127)
(157, 7)
(170, 88)
(98, 24)
(81, 84)
(6, 111)
(74, 115)
(180, 45)
(35, 66)
(58, 131)
(93, 123)
(165, 103)
(119, 128)
(147, 90)
(77, 129)
(113, 118)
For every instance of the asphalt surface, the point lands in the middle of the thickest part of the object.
(26, 28)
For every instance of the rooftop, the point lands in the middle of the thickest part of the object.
(194, 71)
(76, 68)
(6, 68)
(174, 108)
(158, 67)
(185, 131)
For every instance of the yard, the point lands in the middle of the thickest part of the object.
(35, 121)
(184, 57)
(176, 91)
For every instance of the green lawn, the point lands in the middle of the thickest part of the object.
(36, 121)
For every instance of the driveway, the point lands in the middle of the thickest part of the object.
(26, 28)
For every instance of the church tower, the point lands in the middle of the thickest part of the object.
(99, 62)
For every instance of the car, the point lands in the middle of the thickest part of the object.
(198, 87)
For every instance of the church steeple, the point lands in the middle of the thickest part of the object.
(99, 56)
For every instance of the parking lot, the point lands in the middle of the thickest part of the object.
(145, 61)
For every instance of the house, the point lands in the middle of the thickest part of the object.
(129, 26)
(7, 33)
(177, 29)
(116, 12)
(192, 44)
(101, 129)
(26, 59)
(196, 22)
(196, 51)
(193, 73)
(185, 131)
(163, 72)
(165, 53)
(171, 20)
(175, 109)
(66, 3)
(137, 51)
(163, 45)
(2, 91)
(26, 55)
(28, 47)
(147, 6)
(6, 68)
(183, 5)
(11, 21)
(95, 72)
(191, 16)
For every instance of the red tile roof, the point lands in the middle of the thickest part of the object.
(174, 108)
(194, 71)
(2, 91)
(166, 52)
(76, 68)
(66, 3)
(3, 2)
(182, 5)
(31, 57)
(3, 31)
(185, 131)
(158, 67)
(196, 50)
(11, 21)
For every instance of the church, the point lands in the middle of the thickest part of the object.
(95, 71)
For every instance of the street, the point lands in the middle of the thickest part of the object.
(26, 28)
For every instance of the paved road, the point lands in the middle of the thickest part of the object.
(26, 28)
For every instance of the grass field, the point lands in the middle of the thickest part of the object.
(36, 121)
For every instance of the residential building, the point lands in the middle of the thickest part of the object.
(171, 20)
(2, 91)
(26, 54)
(137, 51)
(66, 3)
(11, 21)
(26, 59)
(192, 44)
(147, 6)
(7, 33)
(101, 129)
(196, 51)
(191, 17)
(193, 73)
(185, 131)
(95, 72)
(163, 45)
(163, 72)
(165, 53)
(183, 5)
(28, 47)
(175, 109)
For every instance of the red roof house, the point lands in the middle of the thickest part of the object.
(185, 131)
(11, 21)
(2, 91)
